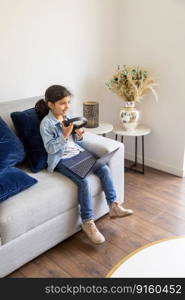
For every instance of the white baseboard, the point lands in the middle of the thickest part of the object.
(157, 165)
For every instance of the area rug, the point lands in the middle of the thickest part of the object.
(163, 258)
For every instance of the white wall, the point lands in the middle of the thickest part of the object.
(153, 34)
(79, 42)
(44, 42)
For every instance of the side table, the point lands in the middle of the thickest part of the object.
(103, 128)
(141, 130)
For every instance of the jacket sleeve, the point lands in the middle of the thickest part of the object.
(74, 135)
(52, 143)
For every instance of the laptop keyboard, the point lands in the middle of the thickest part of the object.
(83, 167)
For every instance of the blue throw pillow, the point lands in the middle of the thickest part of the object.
(11, 149)
(13, 181)
(27, 124)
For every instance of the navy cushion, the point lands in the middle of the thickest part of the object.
(11, 149)
(13, 181)
(27, 124)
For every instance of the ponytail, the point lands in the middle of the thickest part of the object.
(41, 108)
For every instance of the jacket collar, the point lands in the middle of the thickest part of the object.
(52, 118)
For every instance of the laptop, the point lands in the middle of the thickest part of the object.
(86, 163)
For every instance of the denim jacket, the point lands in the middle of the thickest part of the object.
(53, 139)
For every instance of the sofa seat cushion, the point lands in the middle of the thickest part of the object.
(52, 195)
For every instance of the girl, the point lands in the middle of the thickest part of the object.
(61, 144)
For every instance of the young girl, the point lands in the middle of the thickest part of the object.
(61, 144)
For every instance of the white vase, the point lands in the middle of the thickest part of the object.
(129, 116)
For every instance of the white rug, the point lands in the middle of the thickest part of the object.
(164, 258)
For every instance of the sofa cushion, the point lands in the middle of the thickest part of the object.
(13, 181)
(12, 150)
(36, 206)
(27, 125)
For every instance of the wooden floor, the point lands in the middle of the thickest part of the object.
(158, 201)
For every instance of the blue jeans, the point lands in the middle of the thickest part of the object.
(84, 193)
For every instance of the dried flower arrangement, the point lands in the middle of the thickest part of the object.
(131, 83)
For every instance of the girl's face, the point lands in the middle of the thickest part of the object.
(60, 107)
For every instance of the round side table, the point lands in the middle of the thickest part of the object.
(141, 130)
(103, 128)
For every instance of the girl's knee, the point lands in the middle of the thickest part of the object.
(83, 181)
(103, 169)
(106, 167)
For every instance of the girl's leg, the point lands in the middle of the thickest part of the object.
(84, 193)
(105, 176)
(116, 210)
(86, 210)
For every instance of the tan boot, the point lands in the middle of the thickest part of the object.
(116, 210)
(92, 232)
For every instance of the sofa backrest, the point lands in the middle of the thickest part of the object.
(6, 108)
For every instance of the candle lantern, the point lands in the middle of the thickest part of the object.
(91, 113)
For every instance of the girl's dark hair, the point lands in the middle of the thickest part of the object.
(53, 94)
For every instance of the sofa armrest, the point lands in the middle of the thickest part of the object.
(100, 145)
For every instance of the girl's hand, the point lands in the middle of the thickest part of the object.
(79, 132)
(67, 130)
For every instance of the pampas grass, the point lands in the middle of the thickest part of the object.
(132, 83)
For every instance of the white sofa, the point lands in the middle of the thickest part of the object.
(47, 213)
